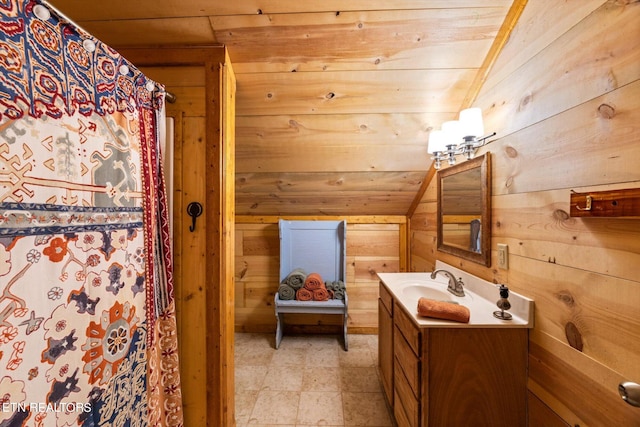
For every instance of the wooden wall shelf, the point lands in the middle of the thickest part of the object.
(613, 203)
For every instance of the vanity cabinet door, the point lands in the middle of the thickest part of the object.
(478, 377)
(407, 380)
(406, 408)
(408, 329)
(408, 363)
(385, 298)
(385, 349)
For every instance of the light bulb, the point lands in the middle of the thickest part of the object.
(471, 122)
(453, 132)
(436, 141)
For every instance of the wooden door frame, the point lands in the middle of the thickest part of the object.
(219, 214)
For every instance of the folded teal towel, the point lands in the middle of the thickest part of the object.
(296, 278)
(286, 292)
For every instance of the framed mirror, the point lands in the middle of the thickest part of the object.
(464, 210)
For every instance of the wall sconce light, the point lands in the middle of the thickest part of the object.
(458, 137)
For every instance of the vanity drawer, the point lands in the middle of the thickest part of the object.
(408, 329)
(386, 299)
(407, 362)
(406, 407)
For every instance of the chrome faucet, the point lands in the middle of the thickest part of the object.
(456, 286)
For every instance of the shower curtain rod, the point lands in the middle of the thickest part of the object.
(169, 96)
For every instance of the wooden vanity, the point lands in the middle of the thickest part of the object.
(450, 376)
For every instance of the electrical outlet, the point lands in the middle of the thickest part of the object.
(503, 256)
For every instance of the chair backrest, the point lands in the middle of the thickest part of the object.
(314, 246)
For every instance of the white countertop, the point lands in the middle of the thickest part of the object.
(480, 298)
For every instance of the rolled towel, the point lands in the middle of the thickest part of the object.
(296, 278)
(303, 294)
(338, 294)
(443, 310)
(313, 281)
(334, 285)
(320, 294)
(286, 292)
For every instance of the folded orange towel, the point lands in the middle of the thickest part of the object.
(313, 281)
(320, 294)
(443, 310)
(303, 294)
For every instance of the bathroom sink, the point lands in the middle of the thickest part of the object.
(424, 291)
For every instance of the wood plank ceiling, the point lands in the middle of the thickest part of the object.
(335, 99)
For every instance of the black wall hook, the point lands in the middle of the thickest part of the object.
(194, 209)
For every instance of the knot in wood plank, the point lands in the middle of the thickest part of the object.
(525, 101)
(561, 215)
(566, 298)
(574, 337)
(509, 182)
(606, 111)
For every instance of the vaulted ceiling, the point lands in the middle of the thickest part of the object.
(335, 99)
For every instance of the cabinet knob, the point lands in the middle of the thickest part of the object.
(630, 393)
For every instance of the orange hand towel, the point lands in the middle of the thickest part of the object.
(303, 294)
(320, 294)
(313, 281)
(443, 310)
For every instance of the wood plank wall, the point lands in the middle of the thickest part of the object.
(374, 245)
(564, 98)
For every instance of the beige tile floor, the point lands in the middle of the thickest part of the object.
(309, 381)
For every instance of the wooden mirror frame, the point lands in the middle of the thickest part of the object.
(484, 257)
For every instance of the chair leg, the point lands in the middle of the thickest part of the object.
(344, 321)
(344, 325)
(279, 329)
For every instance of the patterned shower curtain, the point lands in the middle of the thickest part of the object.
(87, 321)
